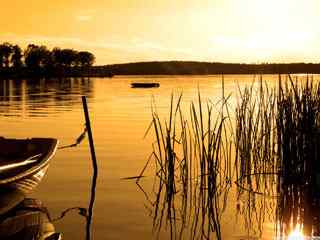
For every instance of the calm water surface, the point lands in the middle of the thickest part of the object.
(120, 116)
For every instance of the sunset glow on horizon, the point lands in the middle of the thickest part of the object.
(117, 31)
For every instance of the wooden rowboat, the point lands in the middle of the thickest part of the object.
(24, 162)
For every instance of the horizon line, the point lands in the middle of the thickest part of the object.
(210, 62)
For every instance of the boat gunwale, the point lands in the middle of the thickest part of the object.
(33, 170)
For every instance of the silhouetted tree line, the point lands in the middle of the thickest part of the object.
(39, 60)
(189, 68)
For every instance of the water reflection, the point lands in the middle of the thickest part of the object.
(41, 97)
(256, 202)
(25, 218)
(122, 116)
(293, 208)
(298, 207)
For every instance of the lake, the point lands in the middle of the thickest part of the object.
(120, 116)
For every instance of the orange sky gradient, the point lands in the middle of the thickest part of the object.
(117, 31)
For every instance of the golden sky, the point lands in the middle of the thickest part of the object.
(119, 31)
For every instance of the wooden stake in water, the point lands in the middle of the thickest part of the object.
(95, 169)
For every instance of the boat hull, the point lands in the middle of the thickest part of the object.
(26, 177)
(28, 184)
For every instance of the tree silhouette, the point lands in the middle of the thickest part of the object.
(85, 58)
(40, 61)
(65, 57)
(5, 52)
(37, 56)
(69, 57)
(72, 56)
(57, 57)
(16, 56)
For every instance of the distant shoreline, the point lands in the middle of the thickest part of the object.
(163, 68)
(207, 68)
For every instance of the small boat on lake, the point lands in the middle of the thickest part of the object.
(145, 85)
(24, 162)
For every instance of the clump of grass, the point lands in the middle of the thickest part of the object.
(255, 145)
(193, 161)
(276, 139)
(298, 131)
(212, 145)
(255, 139)
(277, 150)
(166, 161)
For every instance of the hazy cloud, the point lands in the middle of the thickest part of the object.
(84, 18)
(257, 47)
(114, 50)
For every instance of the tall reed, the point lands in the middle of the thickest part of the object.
(193, 161)
(277, 150)
(255, 159)
(255, 138)
(298, 133)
